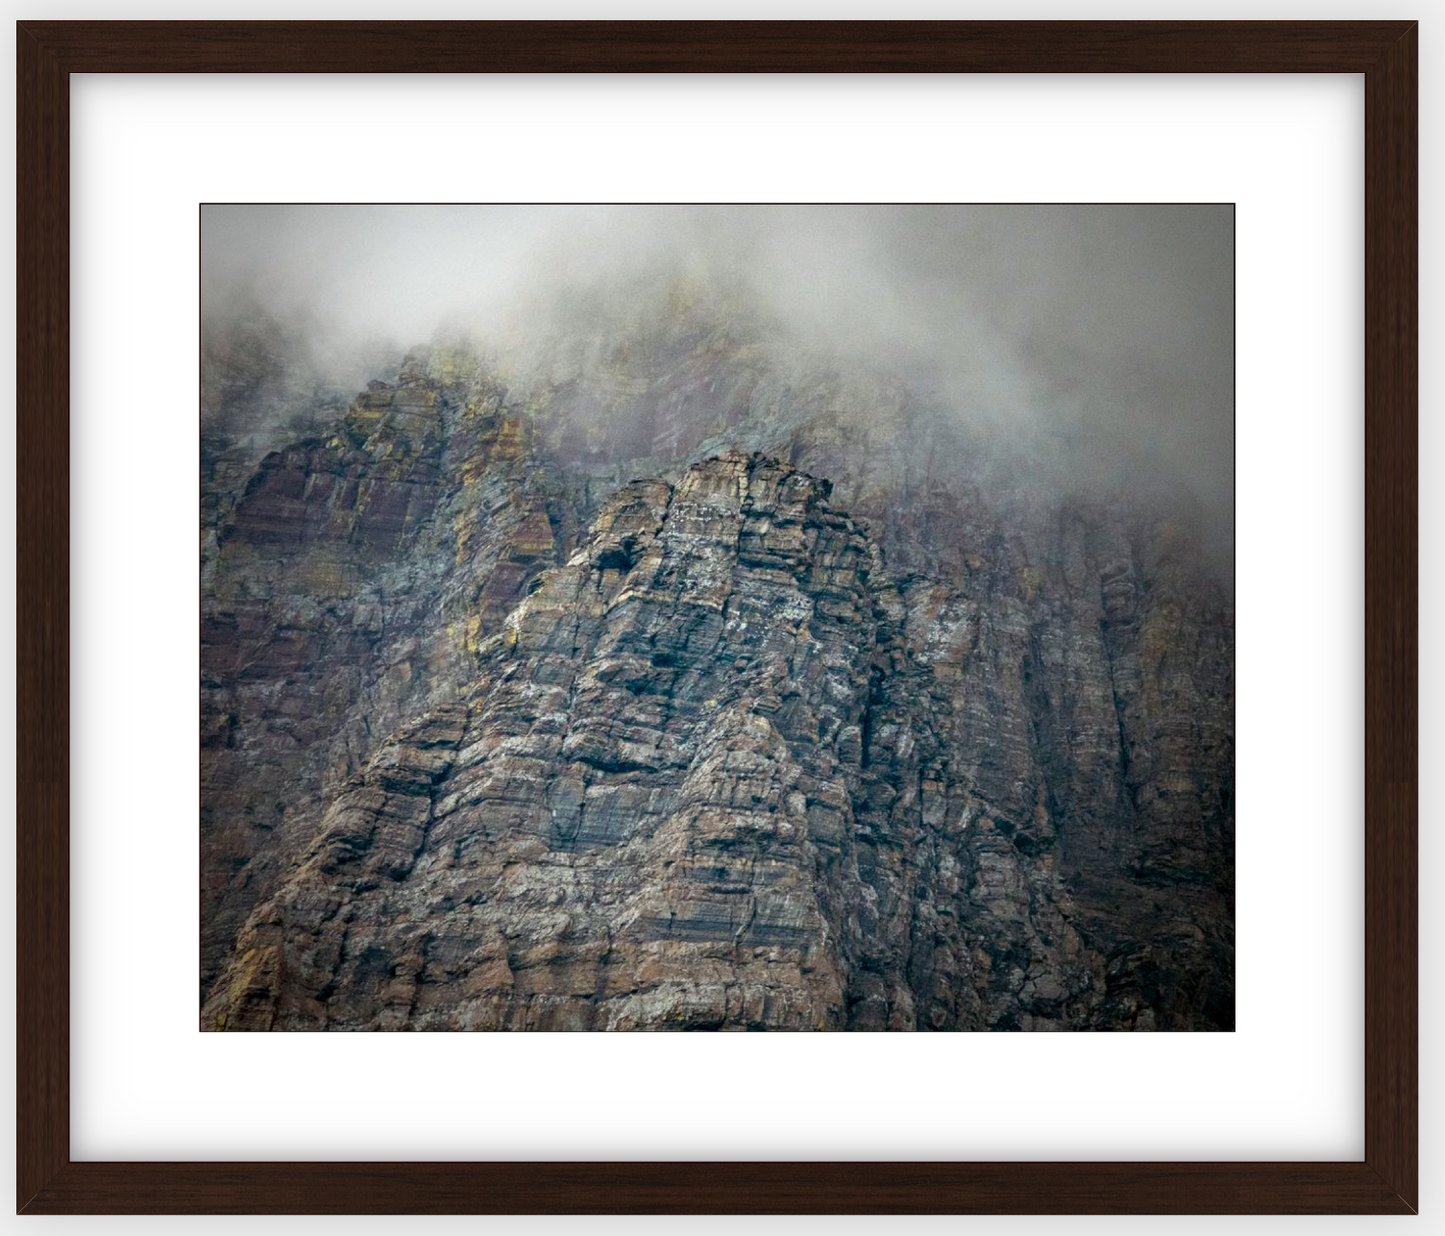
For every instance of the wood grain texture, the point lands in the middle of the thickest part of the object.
(1392, 617)
(719, 1188)
(42, 583)
(47, 1182)
(717, 47)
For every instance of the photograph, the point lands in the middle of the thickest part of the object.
(717, 617)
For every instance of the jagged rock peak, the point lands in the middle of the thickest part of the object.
(493, 737)
(718, 769)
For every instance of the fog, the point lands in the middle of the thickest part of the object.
(1117, 320)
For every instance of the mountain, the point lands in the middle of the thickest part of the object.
(655, 670)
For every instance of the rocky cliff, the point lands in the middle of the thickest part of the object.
(679, 683)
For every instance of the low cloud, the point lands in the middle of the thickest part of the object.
(1106, 324)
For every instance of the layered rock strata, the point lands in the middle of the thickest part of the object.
(683, 680)
(706, 762)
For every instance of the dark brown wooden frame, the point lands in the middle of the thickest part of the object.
(47, 1181)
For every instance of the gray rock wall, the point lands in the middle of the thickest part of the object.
(833, 719)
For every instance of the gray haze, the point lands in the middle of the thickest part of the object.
(1117, 320)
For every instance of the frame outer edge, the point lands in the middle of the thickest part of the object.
(755, 46)
(46, 1181)
(42, 500)
(719, 1188)
(1392, 617)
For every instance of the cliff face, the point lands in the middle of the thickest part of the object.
(828, 721)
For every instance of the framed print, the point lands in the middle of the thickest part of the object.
(782, 607)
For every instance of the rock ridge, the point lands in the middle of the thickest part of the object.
(694, 756)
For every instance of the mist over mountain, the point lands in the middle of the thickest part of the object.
(1100, 339)
(717, 617)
